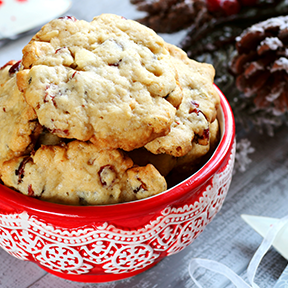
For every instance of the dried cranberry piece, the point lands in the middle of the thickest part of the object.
(194, 103)
(103, 172)
(72, 18)
(204, 138)
(57, 50)
(206, 133)
(142, 186)
(15, 67)
(20, 171)
(73, 75)
(115, 64)
(48, 96)
(196, 110)
(7, 64)
(194, 107)
(63, 133)
(30, 190)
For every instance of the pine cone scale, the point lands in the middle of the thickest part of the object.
(281, 103)
(280, 64)
(268, 44)
(249, 42)
(238, 63)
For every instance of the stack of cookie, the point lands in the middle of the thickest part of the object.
(101, 112)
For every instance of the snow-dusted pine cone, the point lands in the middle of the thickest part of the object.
(168, 16)
(261, 66)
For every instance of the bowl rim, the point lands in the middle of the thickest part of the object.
(153, 203)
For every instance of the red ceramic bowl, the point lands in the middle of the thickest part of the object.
(107, 243)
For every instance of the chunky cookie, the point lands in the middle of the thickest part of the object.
(198, 151)
(19, 127)
(186, 165)
(105, 81)
(78, 173)
(142, 182)
(197, 109)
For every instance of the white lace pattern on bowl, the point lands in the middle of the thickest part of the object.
(77, 251)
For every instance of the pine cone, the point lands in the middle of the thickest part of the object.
(221, 30)
(261, 66)
(168, 16)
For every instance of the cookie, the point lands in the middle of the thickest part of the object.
(198, 151)
(19, 127)
(142, 182)
(187, 165)
(105, 81)
(198, 107)
(99, 176)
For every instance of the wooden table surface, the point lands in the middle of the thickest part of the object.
(261, 190)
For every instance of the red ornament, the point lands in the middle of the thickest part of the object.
(229, 7)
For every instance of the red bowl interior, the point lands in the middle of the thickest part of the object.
(131, 214)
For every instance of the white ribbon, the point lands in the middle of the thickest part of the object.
(217, 267)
